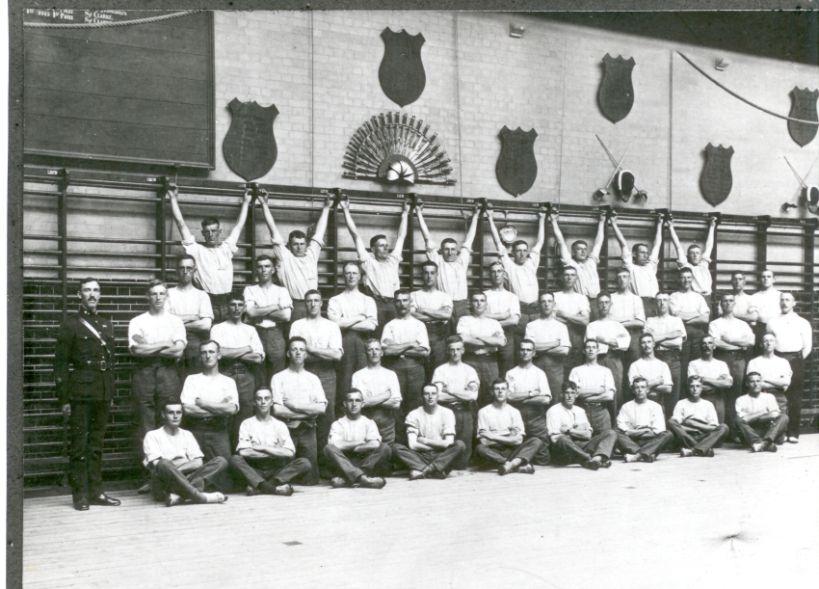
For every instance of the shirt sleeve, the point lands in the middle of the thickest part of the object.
(232, 393)
(623, 338)
(657, 419)
(150, 447)
(230, 244)
(543, 384)
(192, 449)
(771, 404)
(421, 333)
(370, 309)
(371, 433)
(448, 424)
(553, 423)
(666, 374)
(188, 395)
(623, 421)
(807, 336)
(483, 425)
(244, 437)
(317, 391)
(314, 248)
(639, 309)
(133, 330)
(247, 295)
(256, 343)
(564, 335)
(205, 308)
(191, 246)
(702, 307)
(336, 435)
(277, 389)
(517, 422)
(712, 414)
(678, 414)
(413, 424)
(284, 436)
(388, 335)
(609, 383)
(335, 338)
(395, 386)
(333, 311)
(179, 333)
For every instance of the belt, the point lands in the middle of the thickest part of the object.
(234, 366)
(729, 352)
(668, 352)
(215, 422)
(790, 355)
(267, 328)
(484, 356)
(155, 361)
(102, 365)
(458, 404)
(221, 298)
(593, 404)
(533, 307)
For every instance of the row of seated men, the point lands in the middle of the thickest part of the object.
(273, 451)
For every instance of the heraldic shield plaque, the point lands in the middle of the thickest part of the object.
(249, 146)
(516, 168)
(803, 106)
(615, 96)
(716, 179)
(401, 72)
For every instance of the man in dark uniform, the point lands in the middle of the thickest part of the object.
(85, 344)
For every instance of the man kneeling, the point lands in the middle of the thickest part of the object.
(572, 436)
(175, 460)
(501, 435)
(759, 419)
(641, 433)
(431, 438)
(264, 454)
(354, 447)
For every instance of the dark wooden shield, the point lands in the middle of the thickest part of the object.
(716, 179)
(615, 96)
(249, 146)
(401, 73)
(803, 106)
(516, 168)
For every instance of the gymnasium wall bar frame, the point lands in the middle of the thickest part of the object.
(68, 236)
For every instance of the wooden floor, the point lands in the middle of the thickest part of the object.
(736, 520)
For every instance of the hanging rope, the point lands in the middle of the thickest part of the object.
(98, 25)
(742, 98)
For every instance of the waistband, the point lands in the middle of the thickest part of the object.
(154, 361)
(592, 403)
(458, 404)
(487, 357)
(730, 353)
(790, 355)
(533, 307)
(215, 423)
(268, 327)
(222, 298)
(380, 299)
(660, 352)
(234, 366)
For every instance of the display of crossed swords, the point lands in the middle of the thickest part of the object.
(602, 192)
(803, 188)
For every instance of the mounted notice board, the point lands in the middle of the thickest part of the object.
(119, 85)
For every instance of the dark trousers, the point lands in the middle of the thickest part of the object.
(499, 455)
(695, 439)
(506, 354)
(274, 345)
(351, 465)
(528, 313)
(566, 450)
(411, 377)
(166, 478)
(763, 429)
(598, 414)
(672, 358)
(459, 309)
(273, 469)
(487, 369)
(386, 312)
(304, 438)
(384, 418)
(555, 368)
(219, 304)
(86, 428)
(153, 384)
(212, 435)
(190, 359)
(650, 306)
(736, 361)
(692, 346)
(354, 358)
(326, 372)
(534, 420)
(613, 360)
(464, 430)
(794, 392)
(644, 445)
(576, 337)
(436, 460)
(244, 375)
(717, 397)
(437, 332)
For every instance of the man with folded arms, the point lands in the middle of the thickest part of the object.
(354, 447)
(717, 381)
(193, 307)
(573, 439)
(265, 453)
(613, 341)
(759, 419)
(504, 307)
(695, 424)
(431, 445)
(381, 391)
(595, 388)
(627, 308)
(483, 337)
(733, 338)
(669, 338)
(655, 371)
(573, 309)
(775, 371)
(552, 343)
(641, 433)
(458, 384)
(433, 307)
(529, 393)
(501, 432)
(690, 306)
(173, 456)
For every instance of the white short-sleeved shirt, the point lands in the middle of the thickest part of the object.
(643, 278)
(498, 301)
(527, 379)
(608, 328)
(212, 389)
(434, 426)
(298, 274)
(688, 302)
(373, 382)
(633, 415)
(214, 265)
(232, 335)
(742, 304)
(702, 282)
(775, 367)
(382, 276)
(766, 302)
(522, 277)
(256, 295)
(190, 301)
(588, 281)
(156, 328)
(593, 376)
(319, 333)
(571, 303)
(702, 410)
(302, 386)
(404, 330)
(359, 430)
(558, 417)
(254, 434)
(747, 404)
(424, 301)
(482, 326)
(709, 369)
(793, 333)
(543, 330)
(626, 306)
(650, 370)
(734, 328)
(457, 377)
(501, 421)
(657, 326)
(180, 446)
(349, 304)
(452, 275)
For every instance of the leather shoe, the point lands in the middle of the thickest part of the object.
(81, 503)
(103, 499)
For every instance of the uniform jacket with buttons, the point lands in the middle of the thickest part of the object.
(83, 366)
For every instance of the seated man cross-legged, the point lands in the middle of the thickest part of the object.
(641, 433)
(695, 423)
(431, 446)
(759, 420)
(354, 447)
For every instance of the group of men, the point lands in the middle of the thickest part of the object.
(258, 379)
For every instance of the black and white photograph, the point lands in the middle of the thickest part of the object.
(470, 295)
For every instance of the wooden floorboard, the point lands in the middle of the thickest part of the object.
(739, 519)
